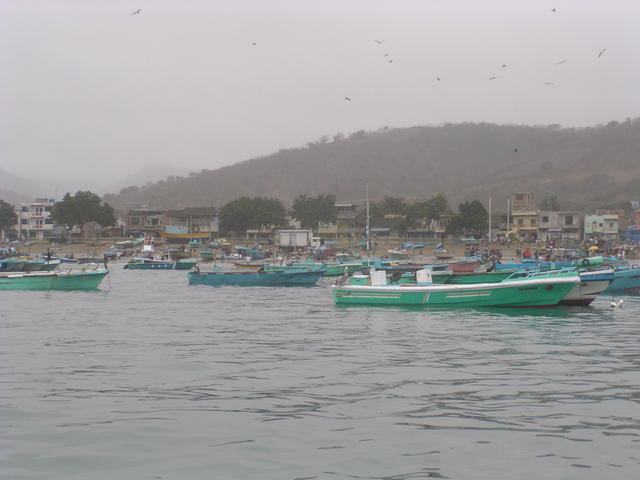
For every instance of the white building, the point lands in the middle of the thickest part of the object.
(34, 219)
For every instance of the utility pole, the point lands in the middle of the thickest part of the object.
(367, 226)
(508, 212)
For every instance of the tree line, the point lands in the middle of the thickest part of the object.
(262, 213)
(242, 214)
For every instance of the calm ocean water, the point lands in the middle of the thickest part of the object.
(154, 379)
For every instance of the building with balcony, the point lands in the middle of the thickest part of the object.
(34, 219)
(346, 222)
(196, 223)
(524, 215)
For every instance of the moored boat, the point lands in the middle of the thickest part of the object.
(626, 280)
(442, 254)
(332, 269)
(45, 280)
(207, 255)
(142, 263)
(277, 278)
(468, 264)
(518, 292)
(248, 265)
(11, 264)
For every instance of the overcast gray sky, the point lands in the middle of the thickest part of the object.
(90, 92)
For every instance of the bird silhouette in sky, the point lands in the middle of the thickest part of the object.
(504, 65)
(553, 10)
(379, 42)
(137, 12)
(492, 78)
(438, 78)
(254, 44)
(515, 150)
(562, 62)
(601, 52)
(347, 99)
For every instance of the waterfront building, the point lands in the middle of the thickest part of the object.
(524, 215)
(602, 225)
(34, 219)
(144, 220)
(189, 224)
(558, 225)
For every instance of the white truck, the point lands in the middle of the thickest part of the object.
(293, 238)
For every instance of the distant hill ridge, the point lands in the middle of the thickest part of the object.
(584, 167)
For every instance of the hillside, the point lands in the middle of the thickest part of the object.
(15, 189)
(584, 167)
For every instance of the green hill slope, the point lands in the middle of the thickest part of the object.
(583, 167)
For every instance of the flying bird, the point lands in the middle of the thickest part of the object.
(254, 44)
(550, 83)
(562, 62)
(347, 99)
(515, 149)
(137, 12)
(390, 61)
(553, 10)
(386, 54)
(379, 42)
(492, 78)
(602, 52)
(504, 66)
(438, 78)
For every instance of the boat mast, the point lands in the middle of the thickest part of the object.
(367, 226)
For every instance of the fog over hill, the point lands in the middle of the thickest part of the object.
(584, 167)
(15, 189)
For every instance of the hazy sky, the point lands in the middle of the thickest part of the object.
(89, 91)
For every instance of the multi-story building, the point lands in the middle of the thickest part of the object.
(145, 220)
(566, 224)
(524, 215)
(346, 221)
(34, 219)
(196, 223)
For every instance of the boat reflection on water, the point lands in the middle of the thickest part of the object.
(493, 312)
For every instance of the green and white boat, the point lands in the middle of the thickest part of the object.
(70, 280)
(517, 292)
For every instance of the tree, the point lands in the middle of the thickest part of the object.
(83, 207)
(8, 217)
(471, 217)
(312, 211)
(239, 215)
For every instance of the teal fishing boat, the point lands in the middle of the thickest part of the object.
(71, 280)
(518, 292)
(626, 281)
(295, 268)
(260, 278)
(333, 269)
(207, 255)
